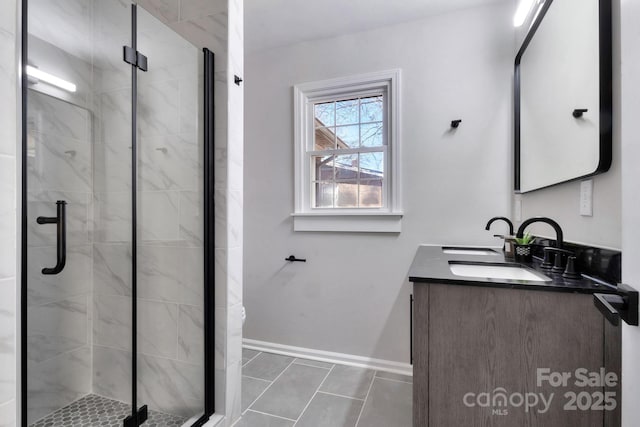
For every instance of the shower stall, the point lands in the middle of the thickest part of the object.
(117, 307)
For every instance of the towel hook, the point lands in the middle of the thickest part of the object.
(578, 112)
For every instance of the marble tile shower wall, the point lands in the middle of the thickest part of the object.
(205, 23)
(170, 264)
(170, 247)
(234, 225)
(8, 224)
(217, 25)
(112, 251)
(170, 254)
(60, 153)
(58, 332)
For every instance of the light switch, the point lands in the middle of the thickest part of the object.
(586, 198)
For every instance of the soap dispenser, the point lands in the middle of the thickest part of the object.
(509, 247)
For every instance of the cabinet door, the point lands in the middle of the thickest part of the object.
(482, 340)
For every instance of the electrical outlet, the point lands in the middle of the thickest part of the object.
(586, 198)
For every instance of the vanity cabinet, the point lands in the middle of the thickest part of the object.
(475, 344)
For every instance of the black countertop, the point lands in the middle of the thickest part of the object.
(431, 265)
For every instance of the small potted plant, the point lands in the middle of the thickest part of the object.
(523, 247)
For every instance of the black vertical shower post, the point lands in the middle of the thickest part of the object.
(23, 215)
(134, 220)
(209, 236)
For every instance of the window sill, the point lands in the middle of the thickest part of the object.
(348, 222)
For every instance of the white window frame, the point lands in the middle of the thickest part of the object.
(385, 219)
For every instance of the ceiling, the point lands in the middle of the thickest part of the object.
(273, 23)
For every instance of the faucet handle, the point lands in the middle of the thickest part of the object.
(559, 253)
(546, 262)
(570, 272)
(557, 265)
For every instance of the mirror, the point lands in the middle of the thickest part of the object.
(563, 95)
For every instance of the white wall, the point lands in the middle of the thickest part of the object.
(352, 296)
(8, 214)
(630, 40)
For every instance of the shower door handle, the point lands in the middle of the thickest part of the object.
(61, 221)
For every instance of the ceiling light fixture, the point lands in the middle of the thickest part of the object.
(50, 78)
(524, 8)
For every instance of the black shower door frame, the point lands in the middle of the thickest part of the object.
(208, 237)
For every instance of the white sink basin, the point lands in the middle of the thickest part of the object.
(468, 251)
(496, 272)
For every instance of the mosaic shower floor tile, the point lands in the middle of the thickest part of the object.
(98, 411)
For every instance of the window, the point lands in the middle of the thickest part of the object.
(347, 154)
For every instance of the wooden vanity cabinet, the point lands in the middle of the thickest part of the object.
(472, 339)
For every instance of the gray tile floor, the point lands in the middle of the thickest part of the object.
(280, 391)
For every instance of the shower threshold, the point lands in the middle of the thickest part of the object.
(97, 411)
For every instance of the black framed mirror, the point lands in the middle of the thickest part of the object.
(563, 95)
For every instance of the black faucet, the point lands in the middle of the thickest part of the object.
(555, 225)
(500, 218)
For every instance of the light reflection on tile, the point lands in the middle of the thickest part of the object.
(50, 116)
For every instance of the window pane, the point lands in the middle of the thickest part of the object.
(323, 168)
(347, 112)
(325, 139)
(370, 193)
(347, 194)
(324, 194)
(348, 136)
(325, 114)
(347, 166)
(372, 135)
(371, 109)
(371, 165)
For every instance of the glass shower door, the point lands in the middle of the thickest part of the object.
(77, 348)
(115, 169)
(170, 265)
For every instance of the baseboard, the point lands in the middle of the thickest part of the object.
(330, 357)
